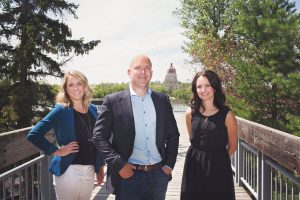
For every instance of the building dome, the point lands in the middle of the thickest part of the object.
(171, 70)
(171, 81)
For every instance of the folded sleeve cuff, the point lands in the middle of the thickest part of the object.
(51, 149)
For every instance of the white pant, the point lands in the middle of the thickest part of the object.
(77, 183)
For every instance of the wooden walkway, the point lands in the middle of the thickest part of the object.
(173, 192)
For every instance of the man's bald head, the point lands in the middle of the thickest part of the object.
(139, 57)
(140, 74)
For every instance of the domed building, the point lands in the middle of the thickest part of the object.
(171, 82)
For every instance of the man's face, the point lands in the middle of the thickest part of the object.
(140, 72)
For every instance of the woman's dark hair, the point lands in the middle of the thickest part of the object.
(215, 82)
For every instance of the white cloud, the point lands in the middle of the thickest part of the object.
(127, 28)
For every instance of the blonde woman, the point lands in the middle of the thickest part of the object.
(75, 161)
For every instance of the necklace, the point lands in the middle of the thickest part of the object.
(88, 126)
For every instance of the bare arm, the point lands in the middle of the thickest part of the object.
(188, 121)
(231, 125)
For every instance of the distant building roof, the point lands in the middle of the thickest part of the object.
(171, 70)
(171, 81)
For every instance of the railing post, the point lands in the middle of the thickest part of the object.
(234, 163)
(51, 188)
(265, 179)
(44, 179)
(259, 175)
(240, 160)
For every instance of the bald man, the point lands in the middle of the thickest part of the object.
(137, 133)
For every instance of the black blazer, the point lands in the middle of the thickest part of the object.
(114, 131)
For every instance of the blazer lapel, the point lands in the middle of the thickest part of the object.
(127, 113)
(159, 118)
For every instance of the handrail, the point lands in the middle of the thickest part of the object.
(260, 173)
(282, 147)
(20, 167)
(284, 171)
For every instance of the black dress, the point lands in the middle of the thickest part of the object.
(207, 173)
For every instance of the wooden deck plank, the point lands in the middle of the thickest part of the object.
(173, 192)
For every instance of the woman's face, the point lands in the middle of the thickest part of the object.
(75, 88)
(204, 89)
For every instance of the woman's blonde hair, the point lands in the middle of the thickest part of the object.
(63, 97)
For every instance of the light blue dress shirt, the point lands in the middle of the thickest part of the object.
(144, 150)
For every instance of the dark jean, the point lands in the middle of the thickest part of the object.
(144, 186)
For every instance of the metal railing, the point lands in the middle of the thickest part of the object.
(28, 181)
(262, 176)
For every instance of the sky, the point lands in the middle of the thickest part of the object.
(128, 28)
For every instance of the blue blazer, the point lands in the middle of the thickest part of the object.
(61, 119)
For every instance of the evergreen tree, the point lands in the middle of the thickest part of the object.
(34, 43)
(267, 53)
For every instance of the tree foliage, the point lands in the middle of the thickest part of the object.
(207, 25)
(103, 89)
(258, 42)
(183, 92)
(34, 43)
(267, 52)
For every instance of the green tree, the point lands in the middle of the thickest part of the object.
(34, 43)
(257, 43)
(207, 25)
(159, 87)
(184, 92)
(267, 52)
(103, 89)
(100, 90)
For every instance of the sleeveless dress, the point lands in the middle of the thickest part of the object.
(207, 173)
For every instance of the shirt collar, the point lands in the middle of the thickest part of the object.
(132, 92)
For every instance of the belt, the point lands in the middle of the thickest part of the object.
(147, 168)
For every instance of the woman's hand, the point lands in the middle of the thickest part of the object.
(72, 147)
